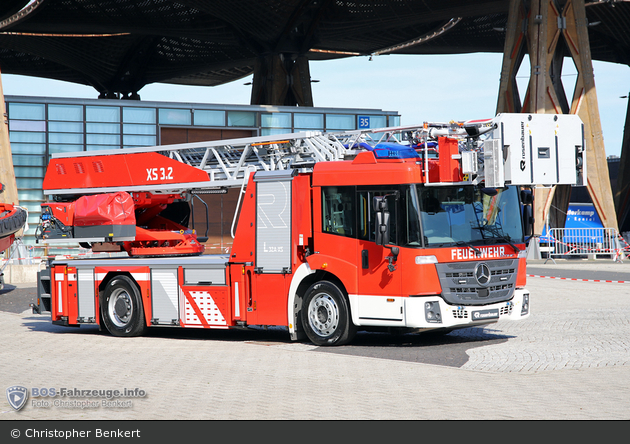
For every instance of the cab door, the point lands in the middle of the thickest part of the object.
(379, 287)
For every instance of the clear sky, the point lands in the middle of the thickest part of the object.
(421, 88)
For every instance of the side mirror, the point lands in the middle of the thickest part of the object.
(528, 221)
(382, 228)
(380, 204)
(527, 198)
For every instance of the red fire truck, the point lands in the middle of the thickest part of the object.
(413, 229)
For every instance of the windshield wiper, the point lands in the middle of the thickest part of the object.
(508, 241)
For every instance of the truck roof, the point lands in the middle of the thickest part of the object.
(366, 169)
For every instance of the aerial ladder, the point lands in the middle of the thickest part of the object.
(137, 200)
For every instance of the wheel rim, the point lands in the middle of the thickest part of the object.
(120, 308)
(323, 314)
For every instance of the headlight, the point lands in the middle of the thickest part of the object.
(426, 260)
(432, 312)
(525, 306)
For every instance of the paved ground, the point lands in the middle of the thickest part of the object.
(569, 360)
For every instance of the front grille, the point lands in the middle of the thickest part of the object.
(474, 290)
(460, 275)
(507, 310)
(502, 272)
(460, 313)
(459, 285)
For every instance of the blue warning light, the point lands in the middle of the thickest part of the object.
(394, 151)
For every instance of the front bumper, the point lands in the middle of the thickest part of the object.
(433, 312)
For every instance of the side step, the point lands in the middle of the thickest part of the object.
(44, 301)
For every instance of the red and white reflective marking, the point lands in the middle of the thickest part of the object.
(200, 309)
(60, 277)
(580, 280)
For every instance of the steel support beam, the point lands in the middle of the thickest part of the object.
(544, 29)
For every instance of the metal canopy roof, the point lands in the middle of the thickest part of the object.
(118, 46)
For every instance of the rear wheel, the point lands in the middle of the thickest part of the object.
(121, 307)
(326, 316)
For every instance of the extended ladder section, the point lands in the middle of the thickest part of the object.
(226, 162)
(520, 149)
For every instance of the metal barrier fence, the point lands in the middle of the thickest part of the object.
(581, 241)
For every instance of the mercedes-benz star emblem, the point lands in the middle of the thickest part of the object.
(482, 274)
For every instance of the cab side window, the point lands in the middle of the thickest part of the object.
(367, 215)
(338, 211)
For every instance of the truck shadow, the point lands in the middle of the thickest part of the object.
(42, 323)
(447, 349)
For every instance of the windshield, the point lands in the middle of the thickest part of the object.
(465, 214)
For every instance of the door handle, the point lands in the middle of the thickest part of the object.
(365, 261)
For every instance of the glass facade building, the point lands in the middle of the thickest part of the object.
(42, 126)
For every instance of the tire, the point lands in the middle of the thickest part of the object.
(326, 315)
(121, 307)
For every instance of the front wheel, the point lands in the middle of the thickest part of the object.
(326, 316)
(121, 307)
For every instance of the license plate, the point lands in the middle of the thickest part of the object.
(482, 315)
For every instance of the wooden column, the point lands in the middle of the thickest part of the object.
(301, 82)
(7, 174)
(282, 80)
(542, 29)
(585, 105)
(509, 100)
